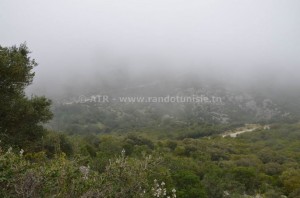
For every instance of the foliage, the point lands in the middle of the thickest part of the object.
(21, 117)
(29, 176)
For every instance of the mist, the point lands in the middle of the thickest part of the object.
(89, 43)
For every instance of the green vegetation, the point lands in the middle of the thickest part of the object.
(136, 161)
(264, 162)
(21, 117)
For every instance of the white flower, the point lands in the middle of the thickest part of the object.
(9, 150)
(21, 152)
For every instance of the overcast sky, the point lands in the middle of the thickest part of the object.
(76, 38)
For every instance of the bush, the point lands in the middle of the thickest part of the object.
(22, 176)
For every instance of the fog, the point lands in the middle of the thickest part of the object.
(80, 43)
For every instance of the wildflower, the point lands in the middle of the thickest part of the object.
(226, 193)
(174, 193)
(165, 192)
(21, 152)
(9, 150)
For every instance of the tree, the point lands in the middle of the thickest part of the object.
(189, 184)
(291, 181)
(21, 118)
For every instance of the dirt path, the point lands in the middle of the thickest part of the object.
(247, 128)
